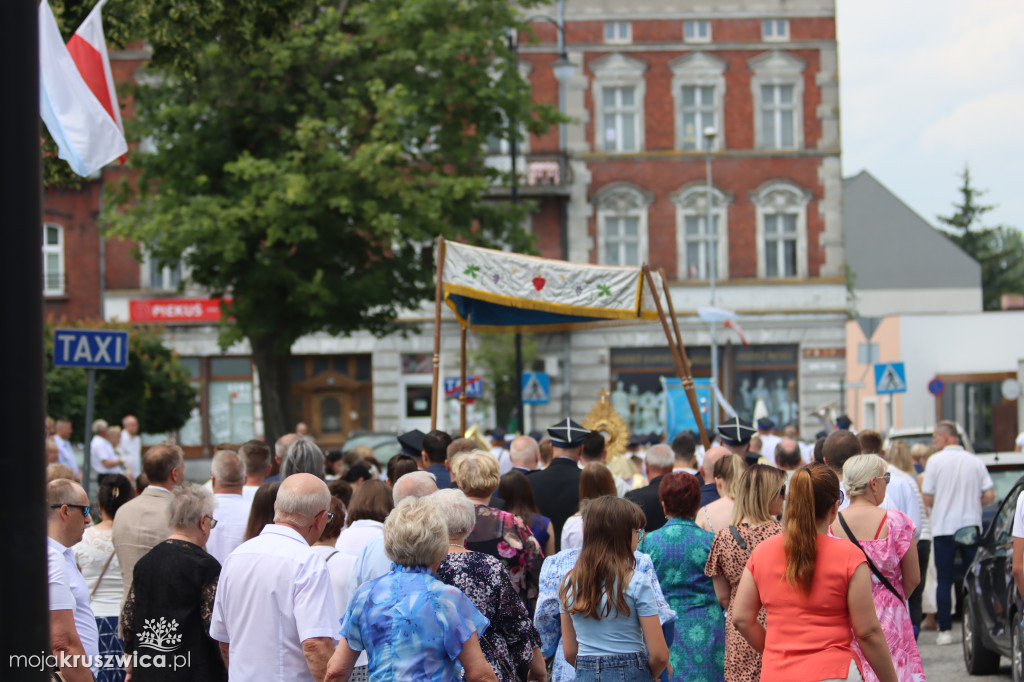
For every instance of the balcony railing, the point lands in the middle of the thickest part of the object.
(538, 174)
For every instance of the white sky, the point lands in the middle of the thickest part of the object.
(928, 85)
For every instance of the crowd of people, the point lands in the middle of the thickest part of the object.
(292, 564)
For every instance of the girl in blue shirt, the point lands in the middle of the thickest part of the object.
(608, 610)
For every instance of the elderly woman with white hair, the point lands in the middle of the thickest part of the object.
(170, 603)
(304, 457)
(411, 625)
(887, 539)
(512, 644)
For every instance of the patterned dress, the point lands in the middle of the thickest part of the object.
(506, 538)
(742, 662)
(509, 643)
(886, 554)
(679, 550)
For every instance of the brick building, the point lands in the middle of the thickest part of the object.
(626, 185)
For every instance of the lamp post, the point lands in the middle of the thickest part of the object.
(709, 139)
(564, 71)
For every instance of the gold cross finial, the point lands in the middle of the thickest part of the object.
(603, 394)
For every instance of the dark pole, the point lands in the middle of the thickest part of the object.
(514, 153)
(25, 627)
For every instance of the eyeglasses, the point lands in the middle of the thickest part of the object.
(213, 521)
(330, 516)
(842, 497)
(782, 493)
(885, 477)
(640, 533)
(84, 507)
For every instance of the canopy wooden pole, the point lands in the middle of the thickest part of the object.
(437, 333)
(462, 378)
(681, 361)
(672, 316)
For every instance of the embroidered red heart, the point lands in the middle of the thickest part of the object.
(539, 282)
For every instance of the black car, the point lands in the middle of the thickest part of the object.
(992, 606)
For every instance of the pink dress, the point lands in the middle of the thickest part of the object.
(886, 554)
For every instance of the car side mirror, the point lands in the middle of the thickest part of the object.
(967, 537)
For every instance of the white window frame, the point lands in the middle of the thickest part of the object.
(871, 402)
(54, 250)
(782, 197)
(619, 71)
(696, 25)
(778, 68)
(147, 274)
(622, 200)
(692, 201)
(771, 33)
(619, 37)
(699, 70)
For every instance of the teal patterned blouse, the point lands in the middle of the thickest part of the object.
(679, 550)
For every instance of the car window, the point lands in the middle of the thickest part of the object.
(1003, 522)
(1004, 480)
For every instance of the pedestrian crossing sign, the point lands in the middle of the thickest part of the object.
(536, 388)
(890, 377)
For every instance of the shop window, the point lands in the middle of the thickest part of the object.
(230, 412)
(191, 434)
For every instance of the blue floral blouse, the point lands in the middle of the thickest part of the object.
(411, 625)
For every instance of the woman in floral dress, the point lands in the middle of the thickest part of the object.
(887, 539)
(499, 533)
(511, 644)
(679, 550)
(759, 499)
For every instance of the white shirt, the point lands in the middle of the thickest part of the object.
(91, 555)
(249, 492)
(504, 463)
(956, 479)
(131, 446)
(899, 495)
(806, 452)
(572, 532)
(274, 593)
(372, 561)
(768, 443)
(340, 565)
(68, 592)
(354, 538)
(65, 455)
(1018, 519)
(232, 514)
(99, 450)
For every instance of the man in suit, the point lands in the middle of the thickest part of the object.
(525, 454)
(141, 524)
(557, 488)
(660, 460)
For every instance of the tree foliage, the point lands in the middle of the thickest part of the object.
(307, 156)
(495, 355)
(999, 250)
(154, 386)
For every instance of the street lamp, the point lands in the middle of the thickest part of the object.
(709, 138)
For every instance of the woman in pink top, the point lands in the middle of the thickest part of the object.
(814, 588)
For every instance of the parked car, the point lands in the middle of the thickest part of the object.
(923, 434)
(1005, 468)
(992, 606)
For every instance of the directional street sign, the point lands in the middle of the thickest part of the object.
(90, 348)
(536, 388)
(474, 387)
(890, 377)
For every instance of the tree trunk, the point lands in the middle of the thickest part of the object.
(275, 387)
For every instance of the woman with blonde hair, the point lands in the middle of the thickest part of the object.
(887, 539)
(813, 587)
(759, 499)
(609, 612)
(718, 514)
(595, 480)
(902, 465)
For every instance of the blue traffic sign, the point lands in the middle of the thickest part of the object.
(90, 348)
(536, 388)
(890, 377)
(474, 387)
(936, 386)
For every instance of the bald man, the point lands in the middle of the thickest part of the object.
(708, 491)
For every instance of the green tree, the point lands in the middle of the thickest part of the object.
(154, 386)
(307, 156)
(495, 356)
(999, 250)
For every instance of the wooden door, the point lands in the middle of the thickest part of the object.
(330, 417)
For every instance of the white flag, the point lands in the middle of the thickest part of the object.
(87, 136)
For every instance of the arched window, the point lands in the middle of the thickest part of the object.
(619, 91)
(622, 225)
(781, 229)
(693, 237)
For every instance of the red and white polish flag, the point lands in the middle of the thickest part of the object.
(88, 48)
(88, 133)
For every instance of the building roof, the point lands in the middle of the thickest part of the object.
(889, 246)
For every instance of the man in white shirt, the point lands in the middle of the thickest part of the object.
(274, 610)
(956, 486)
(227, 473)
(66, 455)
(131, 445)
(255, 456)
(72, 623)
(101, 453)
(766, 430)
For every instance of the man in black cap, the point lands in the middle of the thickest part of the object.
(557, 488)
(412, 443)
(735, 435)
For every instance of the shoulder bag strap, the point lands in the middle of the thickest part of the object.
(874, 569)
(102, 573)
(330, 556)
(739, 539)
